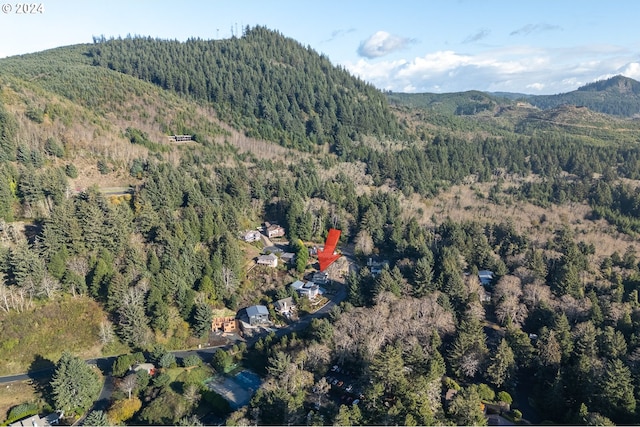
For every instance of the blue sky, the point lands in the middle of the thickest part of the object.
(538, 46)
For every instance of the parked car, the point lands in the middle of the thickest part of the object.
(334, 382)
(355, 402)
(340, 383)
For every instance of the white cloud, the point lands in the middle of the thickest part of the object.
(631, 70)
(537, 87)
(514, 69)
(382, 43)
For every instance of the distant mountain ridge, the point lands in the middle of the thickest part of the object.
(617, 96)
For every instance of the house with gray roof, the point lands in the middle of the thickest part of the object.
(257, 314)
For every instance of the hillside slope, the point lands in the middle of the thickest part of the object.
(264, 83)
(619, 96)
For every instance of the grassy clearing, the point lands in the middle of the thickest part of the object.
(15, 393)
(42, 333)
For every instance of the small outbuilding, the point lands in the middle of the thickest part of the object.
(485, 276)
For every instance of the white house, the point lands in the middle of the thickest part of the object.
(274, 230)
(309, 289)
(251, 236)
(269, 260)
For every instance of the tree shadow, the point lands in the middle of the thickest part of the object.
(40, 372)
(33, 230)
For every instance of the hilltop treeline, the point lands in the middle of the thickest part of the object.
(619, 96)
(264, 83)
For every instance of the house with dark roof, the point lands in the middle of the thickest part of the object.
(320, 278)
(485, 276)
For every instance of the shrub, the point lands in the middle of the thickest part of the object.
(103, 167)
(191, 360)
(124, 409)
(21, 411)
(505, 397)
(52, 148)
(517, 415)
(71, 171)
(450, 383)
(486, 393)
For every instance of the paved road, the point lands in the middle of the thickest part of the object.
(206, 354)
(105, 363)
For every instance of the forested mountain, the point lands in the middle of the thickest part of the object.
(459, 103)
(618, 96)
(263, 82)
(439, 187)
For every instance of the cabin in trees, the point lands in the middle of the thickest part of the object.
(273, 230)
(258, 315)
(376, 266)
(485, 277)
(270, 260)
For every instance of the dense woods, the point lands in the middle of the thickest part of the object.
(422, 340)
(263, 83)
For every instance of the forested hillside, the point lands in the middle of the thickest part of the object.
(435, 188)
(263, 82)
(618, 95)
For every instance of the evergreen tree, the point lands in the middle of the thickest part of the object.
(616, 395)
(501, 369)
(202, 318)
(423, 275)
(75, 385)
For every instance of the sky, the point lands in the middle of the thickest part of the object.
(534, 47)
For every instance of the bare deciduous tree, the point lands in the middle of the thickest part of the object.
(321, 388)
(536, 293)
(192, 395)
(228, 279)
(49, 286)
(129, 383)
(106, 332)
(364, 243)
